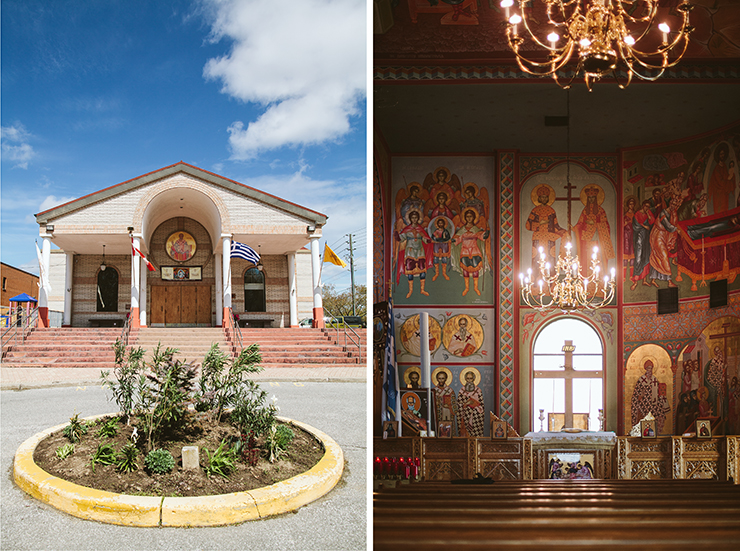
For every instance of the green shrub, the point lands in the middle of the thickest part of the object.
(128, 372)
(105, 455)
(278, 440)
(126, 458)
(75, 429)
(220, 384)
(165, 394)
(222, 462)
(109, 428)
(252, 415)
(159, 461)
(63, 452)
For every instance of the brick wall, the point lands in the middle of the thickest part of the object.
(85, 287)
(15, 282)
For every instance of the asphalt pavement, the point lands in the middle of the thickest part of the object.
(336, 521)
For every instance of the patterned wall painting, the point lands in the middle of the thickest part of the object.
(379, 286)
(648, 387)
(460, 343)
(553, 214)
(441, 240)
(681, 216)
(462, 395)
(456, 337)
(707, 376)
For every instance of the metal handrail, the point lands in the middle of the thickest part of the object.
(232, 328)
(355, 340)
(126, 330)
(28, 324)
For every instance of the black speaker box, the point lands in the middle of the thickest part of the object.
(718, 293)
(668, 300)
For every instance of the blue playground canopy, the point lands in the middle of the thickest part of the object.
(23, 297)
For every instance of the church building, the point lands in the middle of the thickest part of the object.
(481, 169)
(158, 249)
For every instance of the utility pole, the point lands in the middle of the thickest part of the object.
(352, 272)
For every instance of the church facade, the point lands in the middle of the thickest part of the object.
(157, 249)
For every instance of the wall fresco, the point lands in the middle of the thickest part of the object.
(707, 376)
(442, 230)
(554, 213)
(681, 216)
(648, 388)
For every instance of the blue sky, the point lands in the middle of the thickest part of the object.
(271, 94)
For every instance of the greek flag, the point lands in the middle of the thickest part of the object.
(240, 250)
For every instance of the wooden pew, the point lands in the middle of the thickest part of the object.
(544, 514)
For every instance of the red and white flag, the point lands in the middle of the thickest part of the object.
(135, 251)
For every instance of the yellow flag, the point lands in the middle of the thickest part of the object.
(331, 256)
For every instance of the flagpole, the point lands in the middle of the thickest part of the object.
(352, 272)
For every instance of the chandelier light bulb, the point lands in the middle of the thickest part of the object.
(592, 39)
(665, 29)
(506, 4)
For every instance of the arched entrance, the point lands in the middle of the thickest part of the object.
(182, 294)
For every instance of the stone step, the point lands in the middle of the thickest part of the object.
(93, 347)
(103, 355)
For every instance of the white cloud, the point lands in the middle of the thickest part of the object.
(15, 146)
(52, 201)
(31, 267)
(342, 200)
(303, 62)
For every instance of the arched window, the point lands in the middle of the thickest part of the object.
(107, 290)
(254, 291)
(560, 388)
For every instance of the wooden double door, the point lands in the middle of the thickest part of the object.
(181, 304)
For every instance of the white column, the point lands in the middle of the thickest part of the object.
(426, 376)
(45, 254)
(227, 270)
(293, 298)
(144, 271)
(318, 306)
(219, 291)
(135, 279)
(68, 276)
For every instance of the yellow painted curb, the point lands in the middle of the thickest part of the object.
(146, 511)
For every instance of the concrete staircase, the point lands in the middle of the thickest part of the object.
(93, 347)
(303, 347)
(64, 347)
(193, 343)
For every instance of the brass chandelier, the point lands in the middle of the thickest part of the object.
(564, 287)
(604, 36)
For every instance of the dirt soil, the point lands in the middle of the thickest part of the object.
(302, 454)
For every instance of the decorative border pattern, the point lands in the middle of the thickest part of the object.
(507, 398)
(606, 164)
(674, 331)
(511, 72)
(378, 238)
